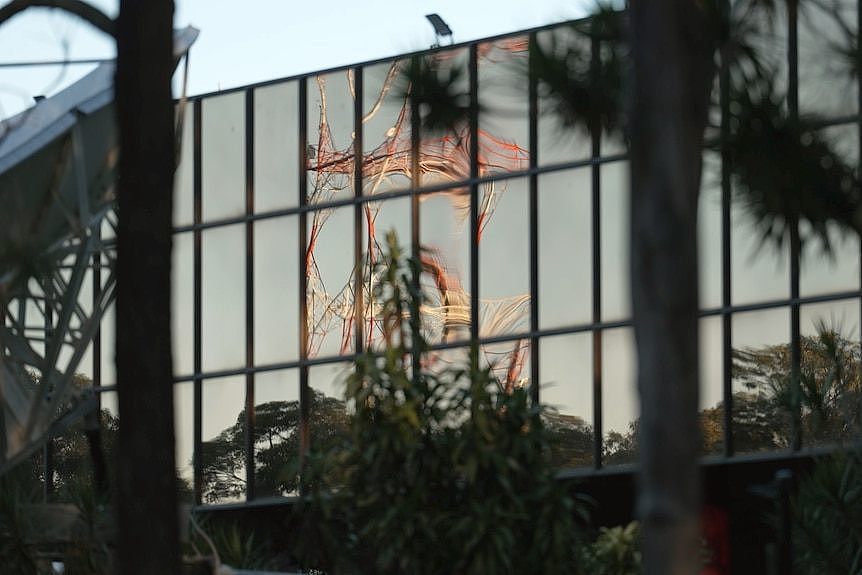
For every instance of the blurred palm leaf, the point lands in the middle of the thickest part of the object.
(787, 172)
(582, 89)
(439, 88)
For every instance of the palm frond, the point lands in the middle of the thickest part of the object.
(787, 172)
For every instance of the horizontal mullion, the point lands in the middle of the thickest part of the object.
(540, 333)
(407, 192)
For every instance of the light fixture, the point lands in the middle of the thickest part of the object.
(441, 29)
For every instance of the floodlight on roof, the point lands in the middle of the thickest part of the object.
(440, 27)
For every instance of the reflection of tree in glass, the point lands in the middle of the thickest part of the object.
(830, 387)
(276, 441)
(829, 390)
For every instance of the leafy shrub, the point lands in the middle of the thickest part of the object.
(443, 471)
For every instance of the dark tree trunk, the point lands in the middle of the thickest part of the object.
(147, 499)
(672, 47)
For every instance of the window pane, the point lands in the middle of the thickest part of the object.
(616, 301)
(223, 431)
(620, 404)
(330, 282)
(223, 151)
(223, 297)
(276, 290)
(276, 147)
(830, 372)
(565, 367)
(276, 432)
(445, 238)
(711, 385)
(565, 248)
(330, 136)
(504, 259)
(761, 381)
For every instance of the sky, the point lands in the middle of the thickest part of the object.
(258, 40)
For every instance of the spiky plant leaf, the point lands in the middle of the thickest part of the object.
(439, 88)
(583, 89)
(786, 172)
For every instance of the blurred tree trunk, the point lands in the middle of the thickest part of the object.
(147, 499)
(672, 46)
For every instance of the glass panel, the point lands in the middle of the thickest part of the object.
(620, 404)
(330, 282)
(445, 238)
(565, 248)
(509, 362)
(182, 303)
(444, 154)
(276, 432)
(503, 105)
(565, 367)
(830, 372)
(822, 272)
(184, 433)
(330, 136)
(184, 177)
(616, 301)
(709, 233)
(108, 332)
(109, 403)
(760, 271)
(328, 413)
(504, 259)
(380, 218)
(558, 143)
(276, 290)
(827, 82)
(761, 380)
(223, 156)
(223, 297)
(223, 431)
(386, 129)
(837, 271)
(276, 147)
(711, 385)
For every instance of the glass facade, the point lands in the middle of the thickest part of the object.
(286, 190)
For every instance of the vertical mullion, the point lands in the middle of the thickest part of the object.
(473, 66)
(358, 299)
(415, 230)
(197, 312)
(249, 296)
(534, 223)
(304, 392)
(48, 448)
(726, 230)
(97, 335)
(795, 343)
(596, 208)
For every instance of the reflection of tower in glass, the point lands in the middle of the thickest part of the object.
(442, 159)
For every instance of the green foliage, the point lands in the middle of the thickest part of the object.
(16, 557)
(615, 551)
(442, 472)
(236, 547)
(89, 552)
(827, 533)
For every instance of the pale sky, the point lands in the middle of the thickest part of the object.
(242, 43)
